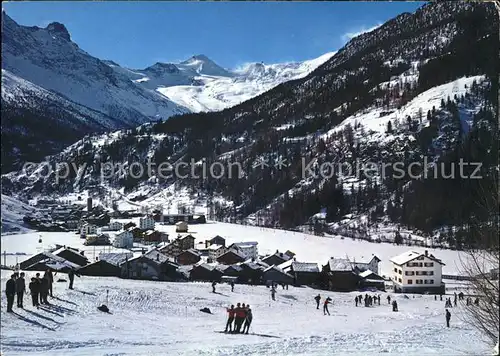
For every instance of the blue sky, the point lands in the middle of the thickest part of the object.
(138, 34)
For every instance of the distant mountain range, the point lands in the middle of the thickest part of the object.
(54, 93)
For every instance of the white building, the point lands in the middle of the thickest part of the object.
(181, 226)
(248, 249)
(124, 239)
(115, 226)
(146, 223)
(88, 229)
(372, 265)
(417, 272)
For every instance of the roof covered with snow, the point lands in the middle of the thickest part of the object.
(115, 258)
(410, 256)
(305, 267)
(339, 264)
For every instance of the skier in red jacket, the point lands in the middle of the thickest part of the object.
(231, 312)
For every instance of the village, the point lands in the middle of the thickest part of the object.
(144, 250)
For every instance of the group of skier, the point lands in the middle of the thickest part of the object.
(40, 289)
(368, 300)
(238, 317)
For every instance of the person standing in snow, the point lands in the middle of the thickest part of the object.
(325, 306)
(230, 319)
(248, 320)
(448, 317)
(455, 299)
(388, 299)
(356, 300)
(50, 278)
(232, 286)
(10, 292)
(317, 299)
(378, 299)
(44, 290)
(71, 276)
(20, 289)
(239, 317)
(39, 282)
(273, 293)
(214, 283)
(34, 287)
(394, 306)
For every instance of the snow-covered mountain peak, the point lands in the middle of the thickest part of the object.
(58, 29)
(203, 65)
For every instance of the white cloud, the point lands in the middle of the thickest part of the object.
(350, 35)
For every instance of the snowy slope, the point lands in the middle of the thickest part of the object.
(13, 212)
(152, 318)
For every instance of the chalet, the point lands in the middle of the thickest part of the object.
(100, 268)
(248, 249)
(188, 257)
(339, 275)
(416, 272)
(217, 240)
(372, 265)
(115, 226)
(185, 242)
(124, 239)
(215, 251)
(233, 271)
(39, 257)
(251, 272)
(72, 256)
(97, 240)
(205, 272)
(146, 223)
(46, 260)
(88, 229)
(303, 273)
(168, 268)
(276, 259)
(141, 267)
(153, 236)
(231, 257)
(181, 226)
(275, 274)
(370, 280)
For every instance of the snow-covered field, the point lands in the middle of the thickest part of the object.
(154, 318)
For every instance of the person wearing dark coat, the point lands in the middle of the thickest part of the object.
(317, 299)
(448, 317)
(394, 306)
(214, 283)
(34, 287)
(388, 299)
(50, 277)
(232, 286)
(44, 290)
(10, 292)
(39, 281)
(356, 300)
(20, 289)
(71, 276)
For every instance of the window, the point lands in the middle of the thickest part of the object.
(420, 264)
(407, 273)
(429, 264)
(426, 281)
(418, 281)
(400, 272)
(431, 281)
(410, 281)
(399, 280)
(395, 270)
(430, 273)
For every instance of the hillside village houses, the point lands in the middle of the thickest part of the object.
(181, 226)
(248, 248)
(416, 272)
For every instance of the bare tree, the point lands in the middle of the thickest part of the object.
(481, 265)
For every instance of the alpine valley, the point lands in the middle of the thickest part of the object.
(421, 86)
